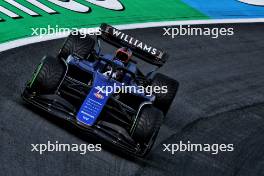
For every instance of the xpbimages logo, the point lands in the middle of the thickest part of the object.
(62, 31)
(188, 30)
(125, 89)
(188, 146)
(59, 147)
(66, 4)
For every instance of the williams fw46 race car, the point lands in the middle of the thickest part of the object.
(71, 86)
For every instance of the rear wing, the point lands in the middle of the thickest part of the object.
(140, 49)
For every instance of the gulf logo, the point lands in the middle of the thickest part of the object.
(98, 95)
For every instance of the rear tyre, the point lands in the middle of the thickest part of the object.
(163, 101)
(147, 125)
(77, 44)
(47, 76)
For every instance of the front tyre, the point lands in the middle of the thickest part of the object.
(77, 44)
(48, 76)
(146, 126)
(163, 101)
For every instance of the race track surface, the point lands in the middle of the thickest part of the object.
(220, 100)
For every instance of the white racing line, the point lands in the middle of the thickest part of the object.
(35, 39)
(253, 2)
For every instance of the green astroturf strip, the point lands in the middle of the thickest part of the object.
(136, 11)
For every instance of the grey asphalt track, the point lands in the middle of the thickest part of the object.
(220, 100)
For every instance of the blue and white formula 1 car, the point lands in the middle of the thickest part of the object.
(72, 86)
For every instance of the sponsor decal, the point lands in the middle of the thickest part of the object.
(133, 42)
(98, 95)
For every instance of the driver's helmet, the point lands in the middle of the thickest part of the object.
(123, 54)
